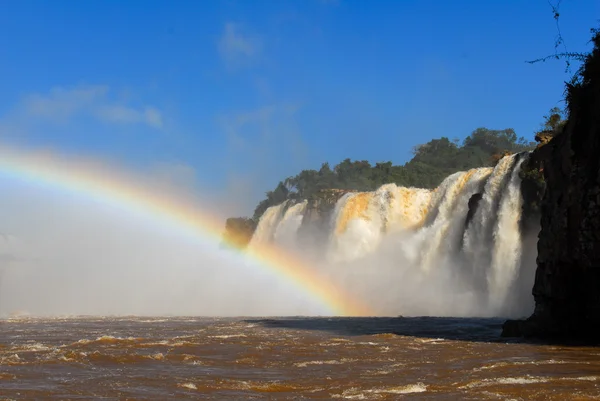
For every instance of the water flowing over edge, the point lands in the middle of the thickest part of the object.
(455, 250)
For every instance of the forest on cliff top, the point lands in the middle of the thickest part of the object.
(430, 164)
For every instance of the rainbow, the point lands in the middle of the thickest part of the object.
(101, 183)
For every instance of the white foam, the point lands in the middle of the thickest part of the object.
(408, 389)
(35, 347)
(305, 364)
(189, 386)
(225, 336)
(357, 394)
(521, 363)
(506, 380)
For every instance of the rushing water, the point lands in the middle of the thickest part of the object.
(286, 359)
(414, 251)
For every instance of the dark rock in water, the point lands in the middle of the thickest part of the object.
(473, 204)
(512, 328)
(567, 280)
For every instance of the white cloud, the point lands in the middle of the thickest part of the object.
(235, 126)
(61, 104)
(268, 143)
(263, 127)
(126, 115)
(153, 117)
(237, 48)
(175, 173)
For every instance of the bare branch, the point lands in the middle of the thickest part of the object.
(557, 56)
(566, 55)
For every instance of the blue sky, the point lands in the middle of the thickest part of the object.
(233, 96)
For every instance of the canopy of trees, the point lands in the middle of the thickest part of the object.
(431, 163)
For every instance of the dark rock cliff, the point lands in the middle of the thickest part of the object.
(473, 205)
(567, 282)
(238, 232)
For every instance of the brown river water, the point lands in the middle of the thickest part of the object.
(133, 358)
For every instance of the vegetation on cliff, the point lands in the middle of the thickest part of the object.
(533, 184)
(430, 164)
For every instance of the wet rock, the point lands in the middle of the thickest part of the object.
(313, 231)
(512, 328)
(544, 137)
(473, 204)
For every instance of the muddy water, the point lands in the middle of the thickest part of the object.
(286, 359)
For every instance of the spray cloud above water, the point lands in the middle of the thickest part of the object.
(83, 238)
(413, 251)
(398, 250)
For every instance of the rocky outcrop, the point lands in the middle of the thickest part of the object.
(473, 204)
(533, 183)
(544, 137)
(567, 282)
(325, 199)
(533, 187)
(320, 206)
(499, 156)
(238, 231)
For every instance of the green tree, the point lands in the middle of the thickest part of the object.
(431, 163)
(553, 125)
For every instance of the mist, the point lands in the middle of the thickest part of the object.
(395, 251)
(64, 253)
(408, 251)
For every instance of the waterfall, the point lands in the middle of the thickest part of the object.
(406, 207)
(279, 224)
(443, 234)
(356, 228)
(417, 247)
(265, 231)
(287, 228)
(506, 253)
(362, 219)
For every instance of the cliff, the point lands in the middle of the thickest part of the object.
(238, 231)
(567, 281)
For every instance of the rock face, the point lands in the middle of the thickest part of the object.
(238, 231)
(543, 137)
(313, 230)
(533, 187)
(567, 281)
(473, 204)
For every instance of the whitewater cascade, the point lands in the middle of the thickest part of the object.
(415, 251)
(267, 226)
